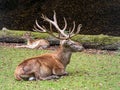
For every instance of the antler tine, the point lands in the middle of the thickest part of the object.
(35, 28)
(43, 16)
(72, 31)
(54, 17)
(55, 20)
(42, 29)
(54, 23)
(78, 30)
(65, 24)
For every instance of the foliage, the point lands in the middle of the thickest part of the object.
(86, 72)
(96, 16)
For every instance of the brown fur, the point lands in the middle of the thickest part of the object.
(39, 67)
(47, 66)
(41, 43)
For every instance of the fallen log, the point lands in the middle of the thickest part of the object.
(9, 39)
(114, 46)
(89, 42)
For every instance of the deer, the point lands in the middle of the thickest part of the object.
(50, 65)
(34, 43)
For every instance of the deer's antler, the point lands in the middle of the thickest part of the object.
(55, 24)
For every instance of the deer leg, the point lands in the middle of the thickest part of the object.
(37, 76)
(57, 74)
(43, 78)
(59, 71)
(50, 77)
(22, 46)
(28, 76)
(65, 74)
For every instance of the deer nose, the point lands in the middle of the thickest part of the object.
(81, 48)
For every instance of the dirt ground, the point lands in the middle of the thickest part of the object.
(89, 51)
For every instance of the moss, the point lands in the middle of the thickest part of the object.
(99, 39)
(40, 35)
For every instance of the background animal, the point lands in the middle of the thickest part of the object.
(34, 43)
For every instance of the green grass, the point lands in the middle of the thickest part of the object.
(86, 72)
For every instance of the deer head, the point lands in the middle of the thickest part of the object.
(67, 46)
(65, 38)
(27, 35)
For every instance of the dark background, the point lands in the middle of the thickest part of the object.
(96, 16)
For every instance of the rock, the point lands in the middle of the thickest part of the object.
(115, 46)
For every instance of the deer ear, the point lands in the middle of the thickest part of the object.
(29, 33)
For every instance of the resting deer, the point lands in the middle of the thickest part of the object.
(34, 44)
(50, 65)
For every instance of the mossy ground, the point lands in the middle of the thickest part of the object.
(99, 39)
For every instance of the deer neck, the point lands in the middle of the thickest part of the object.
(29, 41)
(64, 55)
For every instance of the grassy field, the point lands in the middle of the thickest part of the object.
(86, 72)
